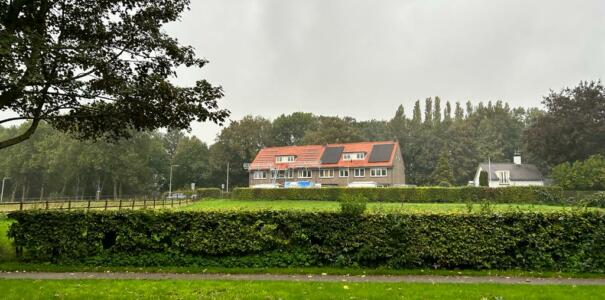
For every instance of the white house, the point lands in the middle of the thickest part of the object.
(510, 174)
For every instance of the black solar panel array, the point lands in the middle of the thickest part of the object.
(381, 153)
(331, 155)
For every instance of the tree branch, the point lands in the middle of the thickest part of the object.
(20, 138)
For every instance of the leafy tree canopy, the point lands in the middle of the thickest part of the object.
(98, 69)
(573, 127)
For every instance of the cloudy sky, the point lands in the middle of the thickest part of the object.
(364, 58)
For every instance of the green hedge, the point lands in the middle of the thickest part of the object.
(202, 192)
(567, 241)
(208, 193)
(536, 195)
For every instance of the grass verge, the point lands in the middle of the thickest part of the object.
(223, 289)
(373, 207)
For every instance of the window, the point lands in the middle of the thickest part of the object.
(326, 173)
(503, 176)
(359, 172)
(284, 158)
(343, 173)
(289, 173)
(354, 156)
(304, 173)
(378, 172)
(259, 175)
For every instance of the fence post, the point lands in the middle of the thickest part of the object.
(120, 206)
(46, 204)
(179, 201)
(105, 203)
(154, 202)
(172, 202)
(133, 201)
(145, 202)
(69, 204)
(21, 204)
(88, 205)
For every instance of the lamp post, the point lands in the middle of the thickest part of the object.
(2, 193)
(170, 184)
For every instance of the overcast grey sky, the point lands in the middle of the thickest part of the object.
(364, 58)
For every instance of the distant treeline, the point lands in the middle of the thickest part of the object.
(441, 142)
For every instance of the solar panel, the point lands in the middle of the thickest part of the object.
(331, 155)
(381, 153)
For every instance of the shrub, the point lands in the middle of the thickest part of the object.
(353, 204)
(581, 175)
(519, 195)
(483, 179)
(595, 200)
(568, 241)
(208, 193)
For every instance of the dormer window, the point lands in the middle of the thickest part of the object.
(354, 156)
(503, 177)
(285, 158)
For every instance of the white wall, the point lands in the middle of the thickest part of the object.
(496, 183)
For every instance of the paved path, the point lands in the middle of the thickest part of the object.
(325, 278)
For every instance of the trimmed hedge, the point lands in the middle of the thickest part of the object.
(566, 241)
(202, 192)
(208, 193)
(535, 195)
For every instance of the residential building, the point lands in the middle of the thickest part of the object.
(329, 165)
(509, 174)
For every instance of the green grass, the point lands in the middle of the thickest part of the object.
(373, 207)
(7, 251)
(225, 289)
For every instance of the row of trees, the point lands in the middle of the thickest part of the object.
(441, 142)
(52, 163)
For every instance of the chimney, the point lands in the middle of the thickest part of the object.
(517, 158)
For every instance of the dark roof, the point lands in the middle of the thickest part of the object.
(331, 155)
(381, 152)
(522, 172)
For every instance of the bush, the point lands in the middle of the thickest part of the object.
(483, 178)
(567, 241)
(595, 200)
(208, 193)
(519, 195)
(353, 204)
(581, 175)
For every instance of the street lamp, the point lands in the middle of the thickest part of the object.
(170, 184)
(2, 193)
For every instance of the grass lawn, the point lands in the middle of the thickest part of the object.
(224, 289)
(306, 205)
(7, 251)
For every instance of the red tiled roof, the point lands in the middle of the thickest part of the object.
(309, 156)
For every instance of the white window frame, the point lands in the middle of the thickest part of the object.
(259, 175)
(341, 171)
(357, 172)
(289, 173)
(354, 156)
(285, 158)
(301, 173)
(378, 172)
(503, 177)
(322, 173)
